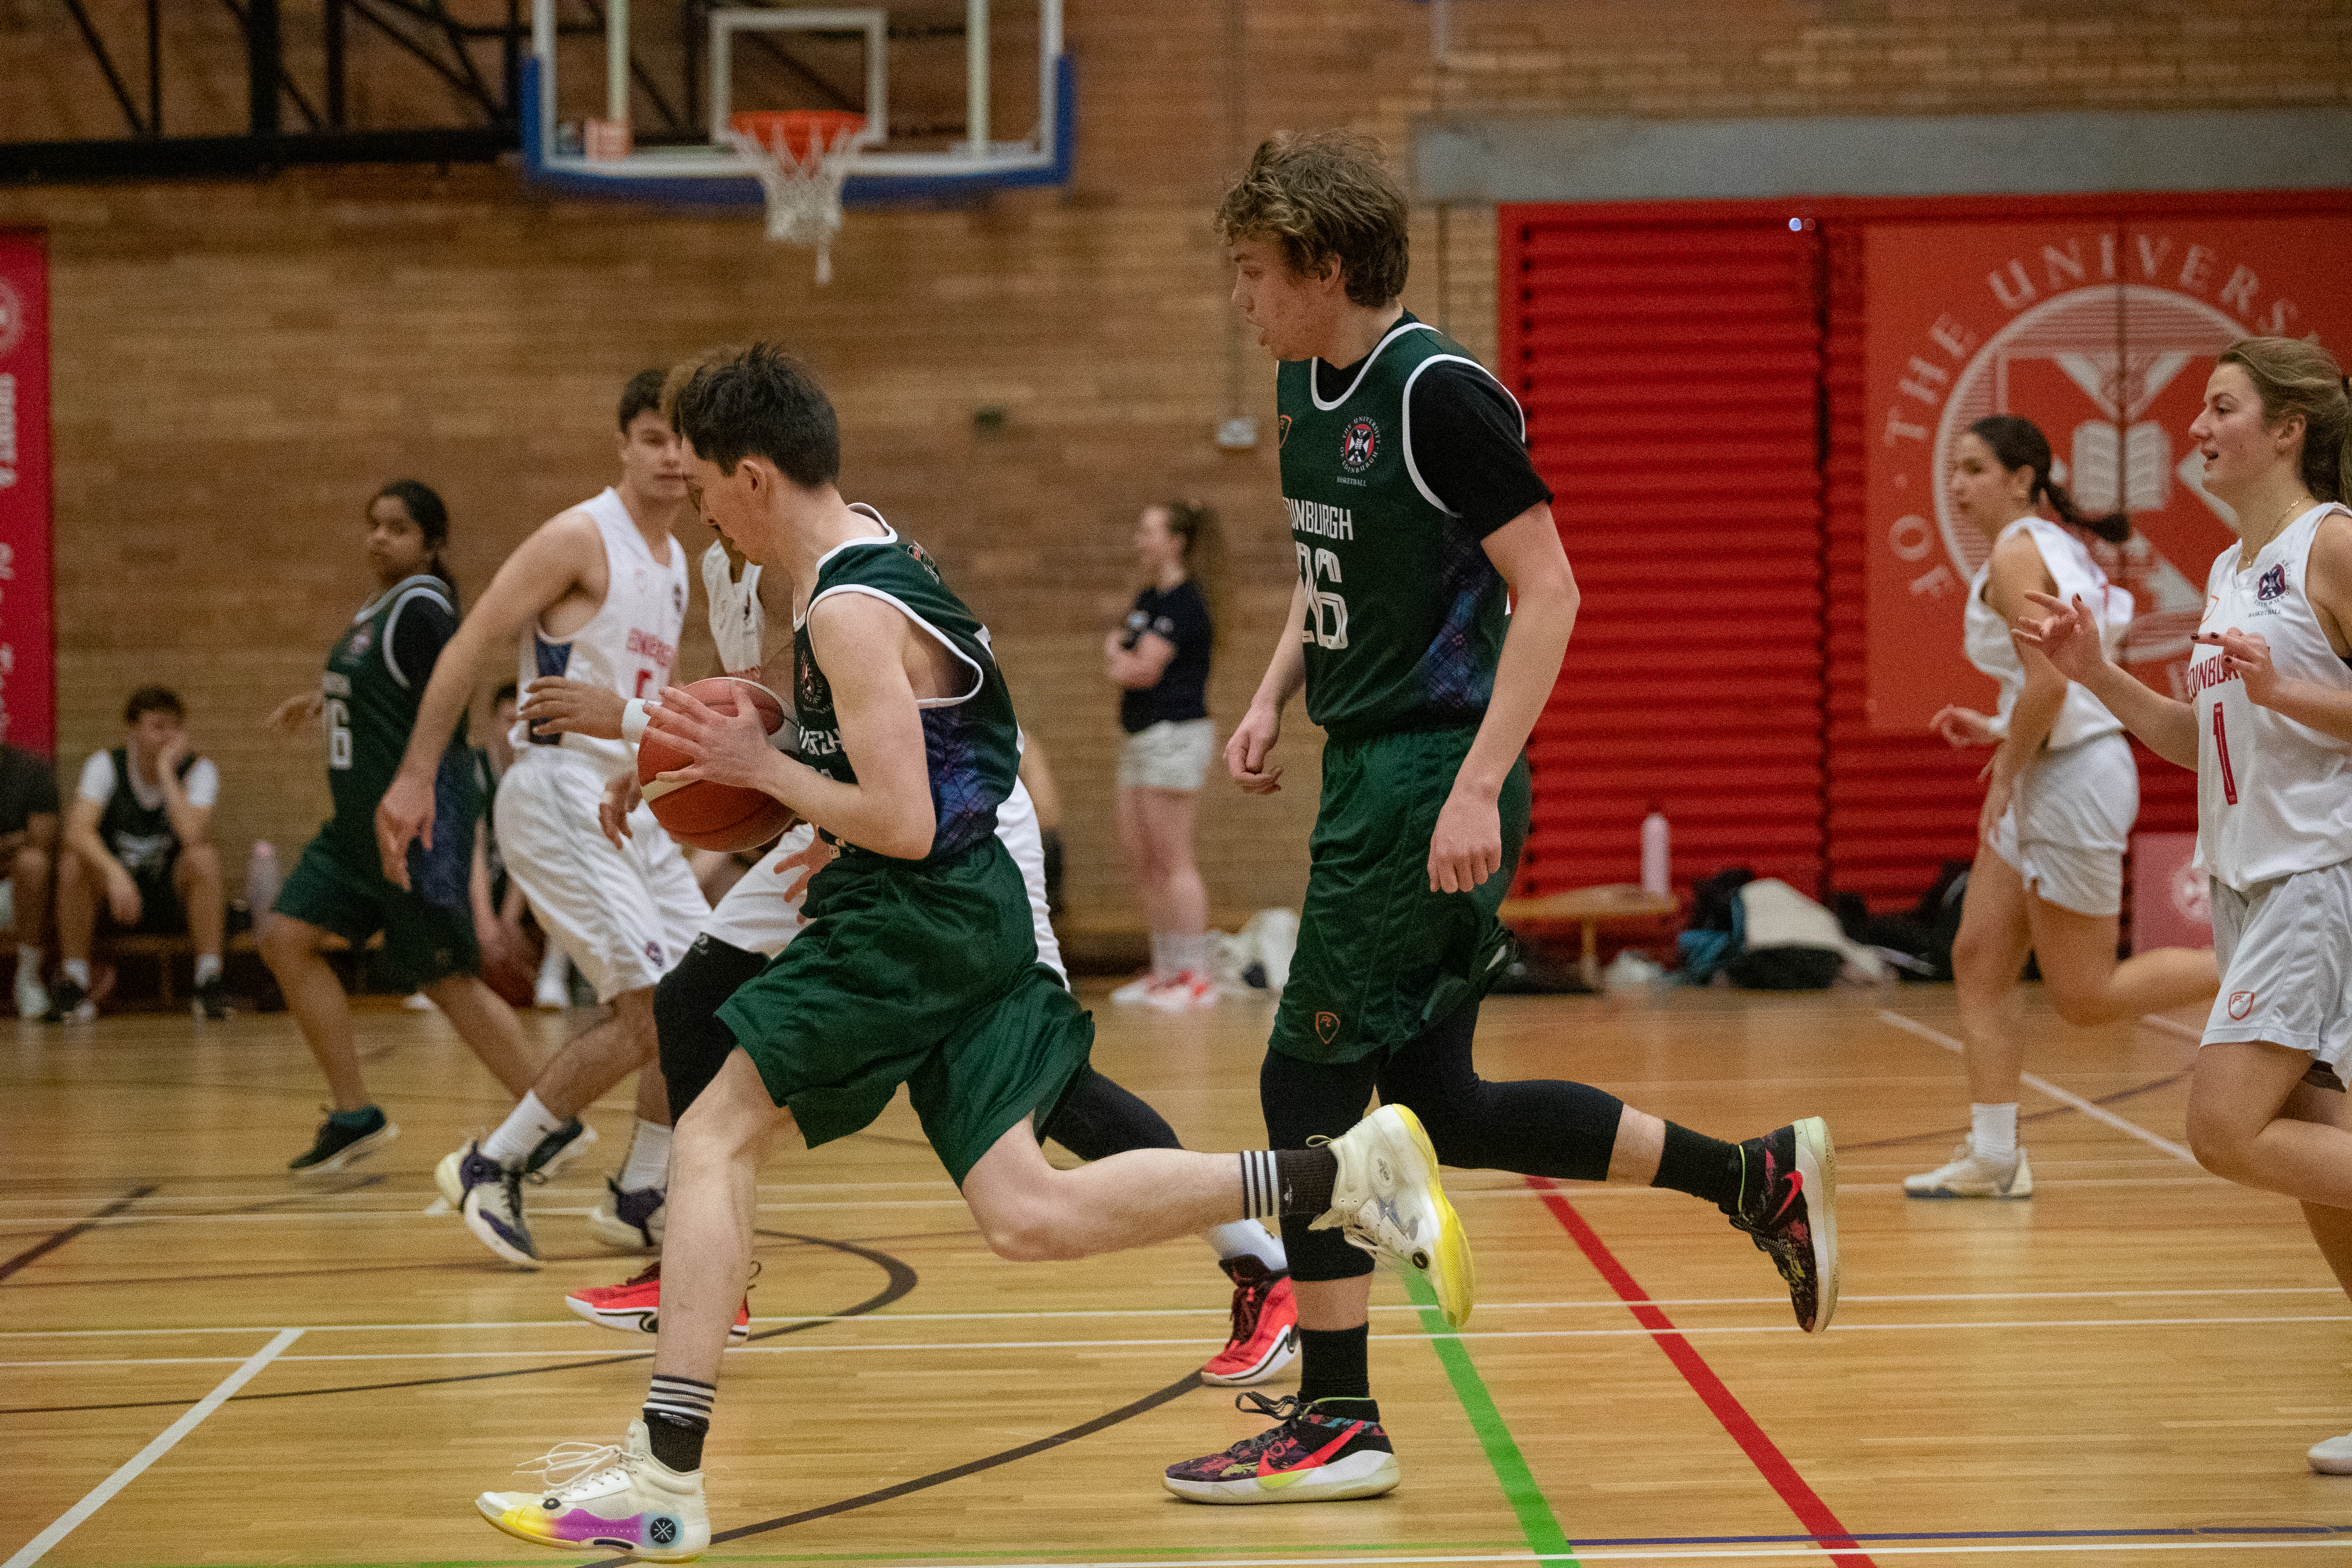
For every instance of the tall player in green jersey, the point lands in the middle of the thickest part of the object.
(1432, 608)
(367, 703)
(917, 965)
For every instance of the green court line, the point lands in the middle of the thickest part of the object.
(1537, 1521)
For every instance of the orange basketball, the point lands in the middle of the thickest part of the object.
(706, 815)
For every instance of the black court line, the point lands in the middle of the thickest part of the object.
(56, 1239)
(1153, 1401)
(2121, 1094)
(901, 1280)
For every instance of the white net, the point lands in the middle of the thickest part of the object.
(802, 165)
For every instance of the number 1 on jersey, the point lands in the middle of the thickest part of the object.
(1326, 613)
(2221, 746)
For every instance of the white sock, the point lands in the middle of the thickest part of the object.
(1188, 953)
(1992, 1133)
(28, 961)
(649, 1163)
(1160, 967)
(207, 967)
(1245, 1236)
(519, 1133)
(77, 971)
(551, 968)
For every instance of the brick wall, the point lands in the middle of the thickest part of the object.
(239, 365)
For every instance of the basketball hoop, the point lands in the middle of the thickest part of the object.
(802, 157)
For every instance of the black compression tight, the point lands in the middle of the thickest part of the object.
(1539, 1127)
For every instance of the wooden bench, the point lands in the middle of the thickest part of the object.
(1617, 903)
(168, 952)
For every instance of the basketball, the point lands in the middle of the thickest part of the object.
(714, 815)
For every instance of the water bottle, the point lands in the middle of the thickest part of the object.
(1657, 862)
(261, 885)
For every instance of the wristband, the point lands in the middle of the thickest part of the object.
(635, 713)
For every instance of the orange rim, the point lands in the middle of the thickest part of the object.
(800, 131)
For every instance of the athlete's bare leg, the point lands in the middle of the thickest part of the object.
(79, 890)
(2330, 1227)
(600, 1055)
(315, 997)
(2242, 1099)
(2087, 986)
(196, 878)
(490, 1028)
(1987, 956)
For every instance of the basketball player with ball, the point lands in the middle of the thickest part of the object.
(597, 594)
(918, 965)
(761, 913)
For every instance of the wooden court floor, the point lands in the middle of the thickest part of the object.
(206, 1363)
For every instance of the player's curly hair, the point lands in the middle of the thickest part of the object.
(1320, 195)
(761, 402)
(2296, 378)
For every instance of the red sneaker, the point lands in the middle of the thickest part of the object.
(1266, 1326)
(634, 1306)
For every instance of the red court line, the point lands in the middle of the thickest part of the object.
(1803, 1501)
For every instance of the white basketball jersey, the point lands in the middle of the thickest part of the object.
(2273, 797)
(1986, 636)
(736, 624)
(630, 643)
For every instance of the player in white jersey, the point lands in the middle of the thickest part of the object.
(761, 914)
(597, 594)
(2063, 791)
(2268, 727)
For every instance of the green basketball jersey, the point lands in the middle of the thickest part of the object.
(972, 742)
(1406, 615)
(371, 706)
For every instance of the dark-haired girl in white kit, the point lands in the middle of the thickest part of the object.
(2268, 727)
(2061, 793)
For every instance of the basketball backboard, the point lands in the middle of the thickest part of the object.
(937, 82)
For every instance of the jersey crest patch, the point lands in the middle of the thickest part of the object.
(1360, 443)
(2272, 585)
(362, 638)
(921, 557)
(2242, 1004)
(816, 692)
(1281, 431)
(1327, 1026)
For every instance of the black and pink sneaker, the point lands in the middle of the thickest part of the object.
(1788, 1204)
(1322, 1452)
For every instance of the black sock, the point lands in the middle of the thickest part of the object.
(1334, 1363)
(1278, 1181)
(1702, 1166)
(678, 1417)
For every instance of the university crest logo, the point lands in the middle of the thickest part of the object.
(2272, 585)
(922, 558)
(814, 695)
(1360, 443)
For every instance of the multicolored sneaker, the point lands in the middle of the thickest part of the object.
(1969, 1177)
(489, 1196)
(1266, 1326)
(1323, 1452)
(600, 1495)
(1184, 992)
(341, 1142)
(634, 1306)
(558, 1149)
(1787, 1203)
(632, 1220)
(1389, 1201)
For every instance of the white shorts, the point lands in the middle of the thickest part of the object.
(757, 917)
(1171, 754)
(2285, 948)
(623, 916)
(2064, 833)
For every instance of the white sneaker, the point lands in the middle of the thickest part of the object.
(1138, 990)
(1968, 1177)
(624, 1498)
(32, 997)
(1388, 1200)
(417, 1002)
(2333, 1458)
(1183, 994)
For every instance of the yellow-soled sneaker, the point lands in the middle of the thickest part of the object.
(1388, 1200)
(621, 1498)
(1322, 1452)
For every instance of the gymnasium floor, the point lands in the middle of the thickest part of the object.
(2128, 1368)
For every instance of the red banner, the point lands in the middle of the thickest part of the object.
(28, 670)
(2102, 333)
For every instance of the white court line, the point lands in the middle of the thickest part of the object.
(2096, 1113)
(1219, 1312)
(1481, 1337)
(2163, 1025)
(99, 1494)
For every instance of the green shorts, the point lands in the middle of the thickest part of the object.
(1380, 958)
(342, 889)
(919, 973)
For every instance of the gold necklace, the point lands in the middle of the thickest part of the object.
(2303, 498)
